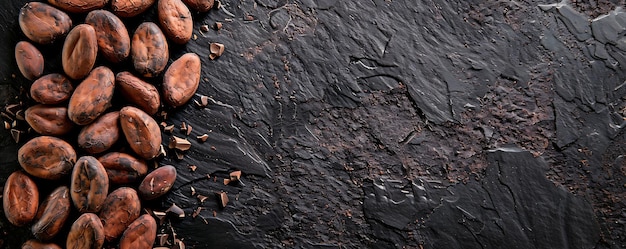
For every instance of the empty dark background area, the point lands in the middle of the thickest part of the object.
(393, 124)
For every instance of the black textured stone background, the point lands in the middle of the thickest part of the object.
(393, 124)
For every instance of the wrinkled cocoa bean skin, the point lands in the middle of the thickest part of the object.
(33, 244)
(113, 38)
(51, 89)
(123, 168)
(43, 23)
(92, 96)
(80, 50)
(157, 183)
(139, 234)
(89, 185)
(48, 120)
(52, 214)
(181, 80)
(47, 157)
(149, 50)
(130, 8)
(29, 60)
(120, 208)
(200, 5)
(175, 19)
(141, 131)
(100, 135)
(20, 199)
(138, 92)
(78, 6)
(87, 232)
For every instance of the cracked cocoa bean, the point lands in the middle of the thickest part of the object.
(43, 23)
(20, 199)
(47, 157)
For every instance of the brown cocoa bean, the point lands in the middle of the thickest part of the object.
(48, 120)
(138, 92)
(92, 97)
(200, 5)
(181, 80)
(89, 185)
(100, 135)
(78, 6)
(139, 234)
(120, 208)
(87, 232)
(130, 8)
(33, 244)
(175, 19)
(47, 157)
(157, 183)
(113, 38)
(51, 89)
(79, 51)
(123, 168)
(52, 214)
(149, 50)
(20, 199)
(43, 23)
(141, 132)
(29, 60)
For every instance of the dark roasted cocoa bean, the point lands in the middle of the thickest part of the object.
(157, 183)
(48, 120)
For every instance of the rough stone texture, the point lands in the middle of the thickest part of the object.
(398, 123)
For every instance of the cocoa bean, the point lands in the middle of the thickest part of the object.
(43, 23)
(138, 92)
(139, 234)
(175, 19)
(149, 50)
(181, 80)
(113, 38)
(79, 51)
(141, 131)
(52, 214)
(123, 168)
(120, 208)
(89, 185)
(157, 183)
(130, 8)
(92, 97)
(47, 157)
(51, 89)
(87, 232)
(100, 135)
(48, 120)
(29, 60)
(20, 199)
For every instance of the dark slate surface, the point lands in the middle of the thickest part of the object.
(394, 124)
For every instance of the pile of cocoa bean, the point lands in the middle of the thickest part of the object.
(104, 184)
